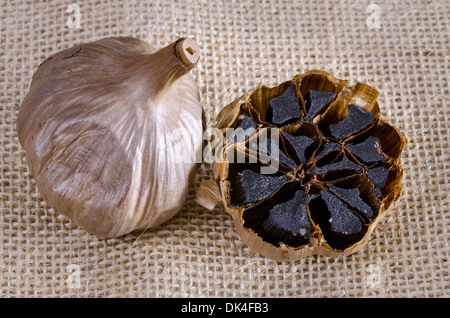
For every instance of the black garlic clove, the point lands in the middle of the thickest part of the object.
(356, 119)
(285, 108)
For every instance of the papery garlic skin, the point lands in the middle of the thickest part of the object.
(96, 127)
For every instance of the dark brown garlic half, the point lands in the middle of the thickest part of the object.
(319, 168)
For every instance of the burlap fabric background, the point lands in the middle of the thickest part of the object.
(399, 47)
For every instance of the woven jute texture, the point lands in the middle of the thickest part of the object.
(399, 47)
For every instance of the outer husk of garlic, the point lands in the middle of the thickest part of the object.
(101, 128)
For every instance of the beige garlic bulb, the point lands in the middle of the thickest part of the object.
(101, 128)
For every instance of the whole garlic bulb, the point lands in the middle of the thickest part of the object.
(98, 127)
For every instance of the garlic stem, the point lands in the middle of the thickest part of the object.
(170, 63)
(188, 52)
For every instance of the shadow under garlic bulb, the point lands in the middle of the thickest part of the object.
(99, 127)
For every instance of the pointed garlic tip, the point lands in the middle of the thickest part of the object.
(188, 52)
